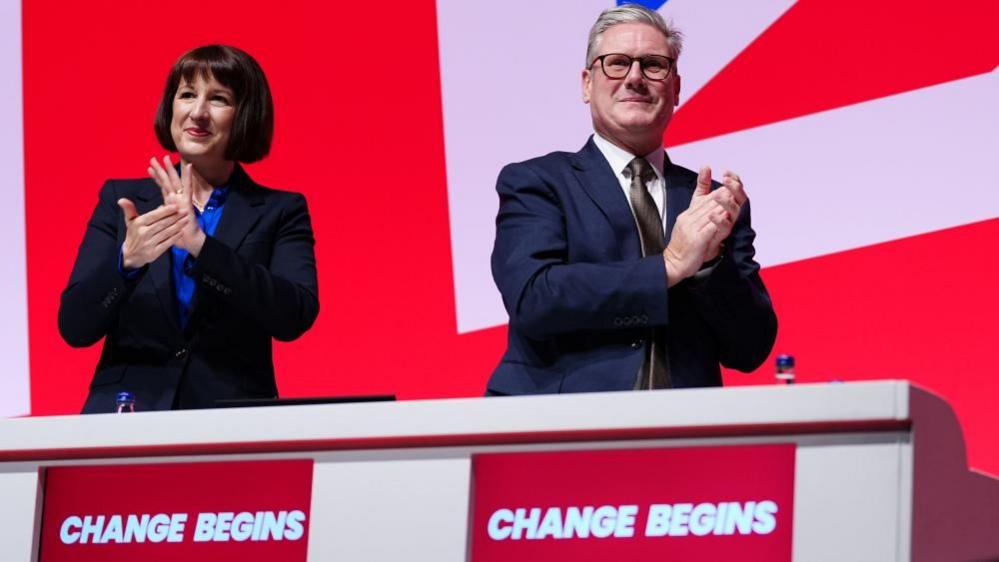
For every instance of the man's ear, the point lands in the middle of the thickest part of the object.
(587, 82)
(676, 91)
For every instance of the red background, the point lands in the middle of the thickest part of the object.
(623, 477)
(387, 320)
(354, 141)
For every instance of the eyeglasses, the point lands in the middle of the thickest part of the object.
(617, 65)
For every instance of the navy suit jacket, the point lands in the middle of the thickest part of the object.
(582, 299)
(256, 280)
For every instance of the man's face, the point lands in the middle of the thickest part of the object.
(633, 106)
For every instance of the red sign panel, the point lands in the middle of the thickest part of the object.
(238, 511)
(698, 503)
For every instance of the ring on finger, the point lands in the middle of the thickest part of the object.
(180, 191)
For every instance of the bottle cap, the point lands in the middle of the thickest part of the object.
(125, 397)
(785, 361)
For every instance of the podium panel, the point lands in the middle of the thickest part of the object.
(879, 469)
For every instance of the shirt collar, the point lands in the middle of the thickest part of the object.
(215, 200)
(218, 197)
(618, 158)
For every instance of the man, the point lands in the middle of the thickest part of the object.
(619, 269)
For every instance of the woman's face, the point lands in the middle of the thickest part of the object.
(203, 112)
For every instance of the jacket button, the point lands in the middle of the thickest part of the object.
(636, 344)
(181, 353)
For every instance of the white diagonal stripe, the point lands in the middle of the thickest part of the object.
(14, 377)
(715, 32)
(867, 173)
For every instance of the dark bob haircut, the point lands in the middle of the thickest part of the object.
(253, 126)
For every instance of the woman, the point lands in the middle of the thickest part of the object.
(189, 274)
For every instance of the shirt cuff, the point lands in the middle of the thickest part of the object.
(126, 273)
(708, 267)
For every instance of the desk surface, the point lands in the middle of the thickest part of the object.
(810, 408)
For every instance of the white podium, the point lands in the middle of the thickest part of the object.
(880, 467)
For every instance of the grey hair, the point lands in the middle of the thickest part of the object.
(632, 13)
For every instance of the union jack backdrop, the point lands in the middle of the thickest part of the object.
(865, 132)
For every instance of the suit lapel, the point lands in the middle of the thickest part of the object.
(602, 186)
(679, 190)
(159, 270)
(242, 210)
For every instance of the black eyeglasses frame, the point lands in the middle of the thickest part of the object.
(670, 67)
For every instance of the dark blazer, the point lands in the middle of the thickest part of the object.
(581, 298)
(256, 280)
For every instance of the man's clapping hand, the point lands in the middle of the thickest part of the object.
(699, 231)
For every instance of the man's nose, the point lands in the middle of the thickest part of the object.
(635, 76)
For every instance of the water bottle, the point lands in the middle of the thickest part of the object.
(785, 369)
(125, 402)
